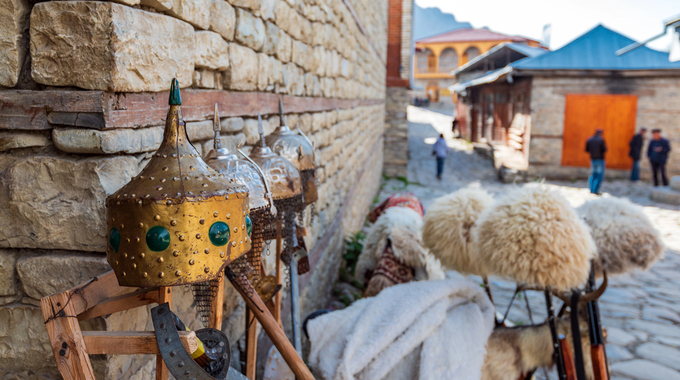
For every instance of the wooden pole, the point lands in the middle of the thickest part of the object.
(271, 327)
(217, 306)
(66, 338)
(251, 344)
(164, 295)
(279, 273)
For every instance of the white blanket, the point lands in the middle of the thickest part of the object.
(426, 330)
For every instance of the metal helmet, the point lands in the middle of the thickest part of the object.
(283, 177)
(179, 221)
(243, 170)
(296, 148)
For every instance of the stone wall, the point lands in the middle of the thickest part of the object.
(84, 95)
(658, 107)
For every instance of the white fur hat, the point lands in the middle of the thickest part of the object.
(534, 236)
(447, 229)
(624, 236)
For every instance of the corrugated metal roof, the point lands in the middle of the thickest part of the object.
(499, 50)
(463, 35)
(596, 50)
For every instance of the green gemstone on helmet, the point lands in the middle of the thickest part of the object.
(114, 239)
(249, 225)
(219, 234)
(175, 99)
(157, 238)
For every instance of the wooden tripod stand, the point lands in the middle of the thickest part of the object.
(102, 295)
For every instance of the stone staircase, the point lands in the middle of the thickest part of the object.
(669, 194)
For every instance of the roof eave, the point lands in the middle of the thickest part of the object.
(597, 73)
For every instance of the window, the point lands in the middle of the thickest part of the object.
(425, 61)
(448, 61)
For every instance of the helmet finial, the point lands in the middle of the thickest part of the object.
(282, 123)
(217, 143)
(260, 130)
(175, 99)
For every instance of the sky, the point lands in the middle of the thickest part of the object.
(637, 19)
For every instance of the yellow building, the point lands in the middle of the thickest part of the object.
(438, 55)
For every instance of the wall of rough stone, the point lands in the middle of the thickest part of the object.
(60, 159)
(658, 107)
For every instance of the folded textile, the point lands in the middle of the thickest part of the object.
(427, 330)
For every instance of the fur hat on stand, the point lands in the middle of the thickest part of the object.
(447, 229)
(533, 236)
(624, 236)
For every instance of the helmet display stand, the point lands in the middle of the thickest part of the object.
(179, 222)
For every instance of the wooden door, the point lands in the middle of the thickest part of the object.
(584, 114)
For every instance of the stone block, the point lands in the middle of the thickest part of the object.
(250, 30)
(250, 4)
(312, 85)
(25, 343)
(222, 19)
(159, 5)
(264, 67)
(303, 55)
(229, 142)
(272, 39)
(267, 9)
(666, 195)
(212, 51)
(46, 274)
(195, 12)
(250, 132)
(8, 279)
(231, 124)
(108, 142)
(287, 19)
(18, 140)
(58, 202)
(294, 79)
(205, 78)
(200, 130)
(243, 72)
(284, 48)
(14, 15)
(108, 46)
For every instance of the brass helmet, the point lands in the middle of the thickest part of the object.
(296, 148)
(243, 170)
(179, 221)
(283, 177)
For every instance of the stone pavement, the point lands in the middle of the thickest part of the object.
(640, 311)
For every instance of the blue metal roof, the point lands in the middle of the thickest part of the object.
(595, 50)
(529, 51)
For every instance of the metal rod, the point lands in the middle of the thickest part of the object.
(559, 359)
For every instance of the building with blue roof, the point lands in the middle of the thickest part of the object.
(544, 107)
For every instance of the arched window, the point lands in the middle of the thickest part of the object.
(425, 61)
(448, 60)
(470, 54)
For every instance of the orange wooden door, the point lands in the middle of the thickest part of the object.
(584, 114)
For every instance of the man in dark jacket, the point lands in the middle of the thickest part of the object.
(597, 149)
(635, 152)
(658, 155)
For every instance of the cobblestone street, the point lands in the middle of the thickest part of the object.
(640, 311)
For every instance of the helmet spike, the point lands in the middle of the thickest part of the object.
(282, 123)
(217, 143)
(175, 99)
(260, 130)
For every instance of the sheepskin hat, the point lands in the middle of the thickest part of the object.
(447, 229)
(402, 226)
(534, 236)
(624, 236)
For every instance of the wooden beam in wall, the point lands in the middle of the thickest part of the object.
(35, 110)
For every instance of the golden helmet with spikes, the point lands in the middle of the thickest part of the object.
(283, 177)
(179, 221)
(242, 169)
(296, 148)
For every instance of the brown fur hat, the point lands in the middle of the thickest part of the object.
(532, 235)
(624, 236)
(447, 229)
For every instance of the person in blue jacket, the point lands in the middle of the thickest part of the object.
(439, 150)
(657, 152)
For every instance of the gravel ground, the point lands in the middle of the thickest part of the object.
(640, 311)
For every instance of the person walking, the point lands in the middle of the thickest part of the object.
(439, 150)
(658, 154)
(635, 152)
(597, 148)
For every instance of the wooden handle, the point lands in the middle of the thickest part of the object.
(569, 367)
(272, 328)
(251, 345)
(599, 364)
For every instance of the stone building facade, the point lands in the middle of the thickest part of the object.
(658, 106)
(83, 97)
